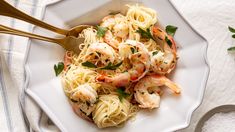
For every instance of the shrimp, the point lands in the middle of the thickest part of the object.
(84, 93)
(83, 99)
(139, 59)
(108, 21)
(163, 62)
(77, 109)
(120, 29)
(117, 23)
(67, 59)
(111, 40)
(150, 84)
(96, 51)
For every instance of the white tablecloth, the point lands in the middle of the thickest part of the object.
(209, 17)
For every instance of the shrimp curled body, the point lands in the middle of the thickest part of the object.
(84, 93)
(84, 98)
(151, 83)
(96, 51)
(118, 24)
(163, 62)
(138, 56)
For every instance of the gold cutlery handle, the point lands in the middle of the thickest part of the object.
(7, 10)
(8, 30)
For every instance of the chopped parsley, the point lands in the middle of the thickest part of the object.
(155, 52)
(58, 68)
(171, 30)
(133, 50)
(89, 64)
(101, 31)
(232, 30)
(110, 66)
(122, 94)
(75, 101)
(168, 41)
(231, 49)
(145, 34)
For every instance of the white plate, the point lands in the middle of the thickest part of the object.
(175, 111)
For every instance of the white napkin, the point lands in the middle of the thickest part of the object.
(211, 19)
(13, 51)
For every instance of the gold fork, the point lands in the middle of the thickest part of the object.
(10, 11)
(70, 43)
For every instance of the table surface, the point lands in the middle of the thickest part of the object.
(211, 19)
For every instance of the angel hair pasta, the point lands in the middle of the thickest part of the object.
(121, 67)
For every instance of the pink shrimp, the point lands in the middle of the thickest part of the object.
(109, 39)
(164, 61)
(83, 100)
(120, 29)
(67, 59)
(152, 83)
(139, 59)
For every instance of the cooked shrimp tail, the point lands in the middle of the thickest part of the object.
(173, 86)
(147, 90)
(120, 80)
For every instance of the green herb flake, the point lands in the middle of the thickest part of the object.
(58, 68)
(101, 31)
(168, 41)
(233, 36)
(155, 52)
(75, 101)
(231, 29)
(111, 67)
(231, 49)
(122, 94)
(171, 30)
(89, 64)
(146, 34)
(98, 53)
(133, 50)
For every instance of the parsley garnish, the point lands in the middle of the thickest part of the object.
(231, 49)
(155, 52)
(122, 94)
(168, 41)
(133, 50)
(232, 30)
(58, 68)
(171, 30)
(146, 34)
(111, 67)
(89, 64)
(101, 31)
(75, 101)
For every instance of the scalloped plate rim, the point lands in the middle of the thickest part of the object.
(189, 114)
